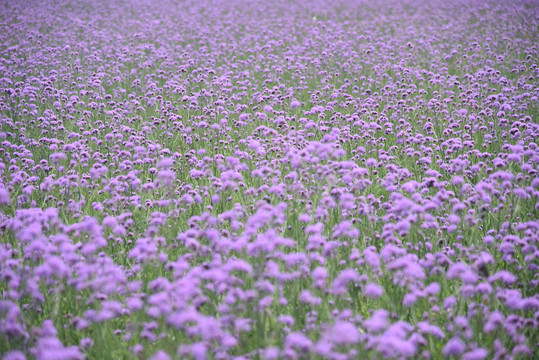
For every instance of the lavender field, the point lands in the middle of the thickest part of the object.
(269, 179)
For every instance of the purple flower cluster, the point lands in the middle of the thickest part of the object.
(269, 179)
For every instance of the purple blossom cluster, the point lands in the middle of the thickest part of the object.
(269, 179)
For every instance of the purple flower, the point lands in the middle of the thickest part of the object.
(454, 347)
(477, 354)
(378, 321)
(373, 290)
(204, 171)
(343, 333)
(14, 355)
(4, 196)
(49, 347)
(341, 282)
(166, 177)
(160, 355)
(371, 162)
(319, 276)
(298, 340)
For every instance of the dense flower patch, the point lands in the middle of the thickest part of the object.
(269, 179)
